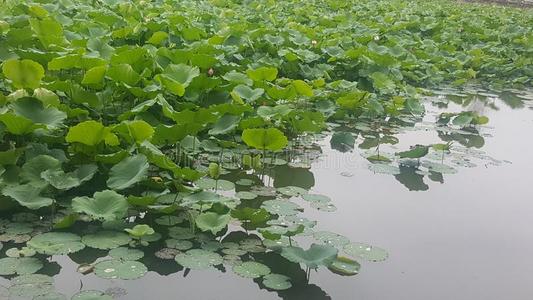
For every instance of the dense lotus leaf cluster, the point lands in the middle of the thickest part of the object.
(149, 131)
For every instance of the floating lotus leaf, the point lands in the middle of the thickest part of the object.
(179, 244)
(19, 265)
(124, 253)
(120, 269)
(128, 172)
(292, 191)
(31, 285)
(106, 239)
(56, 243)
(211, 221)
(198, 259)
(277, 282)
(281, 207)
(209, 183)
(316, 255)
(180, 233)
(91, 295)
(106, 205)
(384, 169)
(244, 182)
(251, 269)
(245, 195)
(202, 197)
(331, 238)
(50, 296)
(315, 198)
(344, 266)
(366, 252)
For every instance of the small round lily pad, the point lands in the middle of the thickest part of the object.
(120, 269)
(251, 269)
(56, 243)
(198, 259)
(344, 266)
(19, 265)
(366, 252)
(91, 295)
(106, 239)
(277, 282)
(125, 253)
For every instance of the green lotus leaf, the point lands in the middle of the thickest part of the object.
(366, 252)
(220, 184)
(277, 282)
(342, 141)
(50, 296)
(56, 243)
(106, 240)
(48, 31)
(31, 285)
(251, 269)
(27, 195)
(91, 295)
(237, 78)
(157, 37)
(120, 269)
(90, 133)
(303, 88)
(33, 110)
(64, 181)
(94, 75)
(382, 82)
(19, 265)
(128, 172)
(123, 73)
(263, 73)
(198, 259)
(281, 207)
(34, 168)
(225, 124)
(269, 112)
(47, 97)
(202, 197)
(16, 124)
(176, 78)
(106, 205)
(344, 266)
(242, 91)
(245, 195)
(417, 151)
(135, 131)
(139, 231)
(124, 253)
(331, 238)
(210, 221)
(269, 139)
(214, 170)
(24, 73)
(316, 255)
(251, 215)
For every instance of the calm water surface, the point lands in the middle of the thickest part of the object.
(464, 236)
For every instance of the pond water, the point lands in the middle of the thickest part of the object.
(465, 235)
